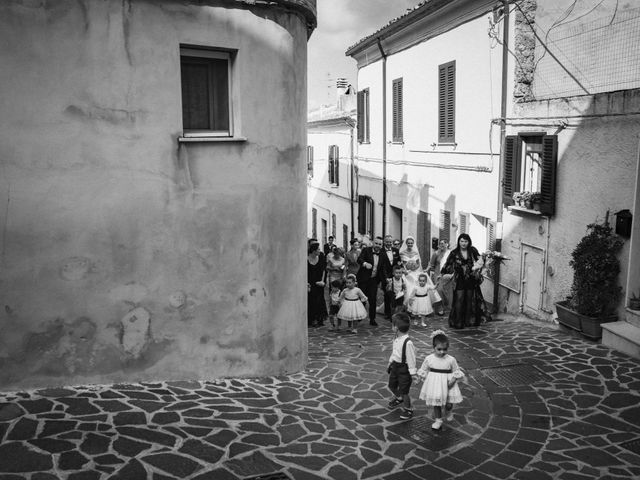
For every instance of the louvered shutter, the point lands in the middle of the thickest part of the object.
(397, 110)
(360, 116)
(362, 214)
(463, 223)
(445, 225)
(549, 167)
(511, 161)
(491, 235)
(333, 226)
(446, 102)
(314, 223)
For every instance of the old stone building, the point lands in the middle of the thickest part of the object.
(153, 184)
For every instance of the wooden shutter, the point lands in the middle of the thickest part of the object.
(362, 215)
(366, 115)
(336, 165)
(397, 110)
(549, 166)
(314, 223)
(310, 160)
(445, 225)
(511, 163)
(423, 234)
(446, 102)
(345, 237)
(464, 223)
(491, 235)
(333, 226)
(360, 116)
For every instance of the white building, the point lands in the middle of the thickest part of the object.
(429, 86)
(330, 165)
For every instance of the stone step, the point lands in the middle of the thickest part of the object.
(622, 336)
(633, 317)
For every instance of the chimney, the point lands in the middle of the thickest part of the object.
(341, 88)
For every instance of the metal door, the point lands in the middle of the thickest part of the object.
(532, 272)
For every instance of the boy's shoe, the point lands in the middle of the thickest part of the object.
(437, 425)
(406, 414)
(424, 324)
(395, 402)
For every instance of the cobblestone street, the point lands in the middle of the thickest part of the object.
(539, 404)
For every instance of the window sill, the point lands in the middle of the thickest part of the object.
(210, 139)
(526, 211)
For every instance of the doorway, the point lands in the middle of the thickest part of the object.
(423, 236)
(395, 222)
(532, 275)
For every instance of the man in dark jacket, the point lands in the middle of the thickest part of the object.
(375, 267)
(393, 254)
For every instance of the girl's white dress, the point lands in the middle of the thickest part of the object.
(419, 302)
(352, 308)
(435, 390)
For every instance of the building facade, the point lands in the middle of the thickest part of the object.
(331, 136)
(151, 193)
(429, 86)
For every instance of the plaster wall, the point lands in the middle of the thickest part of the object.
(125, 255)
(597, 171)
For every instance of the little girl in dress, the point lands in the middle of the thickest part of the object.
(419, 300)
(441, 373)
(353, 304)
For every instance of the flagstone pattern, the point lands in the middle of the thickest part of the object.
(331, 421)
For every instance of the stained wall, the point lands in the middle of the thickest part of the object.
(126, 255)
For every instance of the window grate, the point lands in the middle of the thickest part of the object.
(419, 431)
(513, 375)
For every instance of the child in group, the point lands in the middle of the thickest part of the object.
(396, 289)
(334, 306)
(419, 300)
(441, 373)
(402, 365)
(353, 303)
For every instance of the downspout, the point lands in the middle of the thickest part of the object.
(384, 138)
(503, 134)
(351, 124)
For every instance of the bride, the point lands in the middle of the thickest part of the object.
(413, 265)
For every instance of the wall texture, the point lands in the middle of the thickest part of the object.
(125, 255)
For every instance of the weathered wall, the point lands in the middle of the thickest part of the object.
(597, 170)
(126, 256)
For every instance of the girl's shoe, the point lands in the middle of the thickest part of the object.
(437, 425)
(406, 414)
(441, 312)
(449, 417)
(423, 324)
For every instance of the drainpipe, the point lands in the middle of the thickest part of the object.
(351, 124)
(503, 134)
(384, 139)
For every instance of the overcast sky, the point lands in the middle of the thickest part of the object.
(341, 23)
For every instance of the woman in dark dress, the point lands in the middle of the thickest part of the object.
(316, 275)
(467, 305)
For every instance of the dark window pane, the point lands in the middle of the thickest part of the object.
(195, 95)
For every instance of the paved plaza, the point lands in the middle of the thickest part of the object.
(540, 404)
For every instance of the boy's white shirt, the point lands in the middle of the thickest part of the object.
(410, 352)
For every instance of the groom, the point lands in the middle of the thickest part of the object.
(375, 268)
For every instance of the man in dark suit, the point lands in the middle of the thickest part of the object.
(328, 247)
(393, 255)
(374, 268)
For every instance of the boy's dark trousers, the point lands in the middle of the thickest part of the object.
(396, 304)
(399, 377)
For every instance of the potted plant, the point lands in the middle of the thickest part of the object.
(536, 199)
(634, 302)
(595, 290)
(526, 199)
(517, 198)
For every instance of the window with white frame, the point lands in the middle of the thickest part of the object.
(206, 101)
(334, 165)
(365, 215)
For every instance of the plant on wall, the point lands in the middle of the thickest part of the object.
(595, 290)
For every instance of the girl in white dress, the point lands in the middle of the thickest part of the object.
(353, 304)
(441, 373)
(419, 299)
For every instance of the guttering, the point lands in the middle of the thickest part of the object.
(384, 138)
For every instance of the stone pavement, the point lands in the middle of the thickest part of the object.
(539, 404)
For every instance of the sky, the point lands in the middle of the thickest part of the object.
(341, 24)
